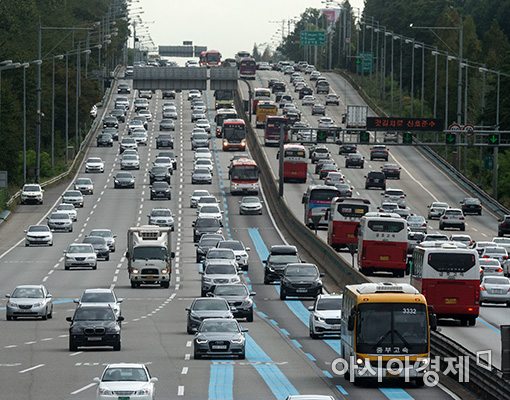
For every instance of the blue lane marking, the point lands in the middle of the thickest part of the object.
(221, 382)
(489, 325)
(327, 374)
(395, 394)
(260, 246)
(341, 390)
(273, 322)
(284, 331)
(296, 343)
(262, 314)
(311, 357)
(272, 375)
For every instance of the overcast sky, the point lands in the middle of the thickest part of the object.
(225, 25)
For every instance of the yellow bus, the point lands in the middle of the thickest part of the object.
(265, 108)
(385, 332)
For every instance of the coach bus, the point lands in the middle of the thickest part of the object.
(344, 217)
(221, 115)
(295, 165)
(382, 244)
(240, 55)
(247, 68)
(223, 98)
(260, 94)
(316, 201)
(264, 110)
(244, 176)
(448, 276)
(382, 322)
(273, 128)
(234, 134)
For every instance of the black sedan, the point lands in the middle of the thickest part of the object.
(100, 246)
(354, 160)
(165, 141)
(391, 171)
(220, 337)
(124, 180)
(110, 122)
(471, 205)
(347, 149)
(237, 296)
(205, 225)
(301, 280)
(104, 140)
(161, 190)
(160, 174)
(205, 307)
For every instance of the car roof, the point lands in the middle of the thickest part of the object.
(30, 286)
(125, 365)
(98, 290)
(283, 249)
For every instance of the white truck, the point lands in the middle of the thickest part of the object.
(355, 117)
(149, 255)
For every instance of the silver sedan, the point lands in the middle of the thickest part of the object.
(495, 289)
(29, 301)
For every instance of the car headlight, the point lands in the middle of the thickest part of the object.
(238, 340)
(164, 271)
(201, 341)
(91, 258)
(12, 304)
(104, 391)
(271, 269)
(235, 279)
(317, 318)
(208, 280)
(116, 181)
(134, 271)
(38, 304)
(144, 391)
(247, 303)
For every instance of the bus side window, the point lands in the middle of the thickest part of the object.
(327, 214)
(350, 320)
(304, 199)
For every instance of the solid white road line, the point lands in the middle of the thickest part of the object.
(31, 368)
(84, 388)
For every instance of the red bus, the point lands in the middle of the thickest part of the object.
(247, 68)
(202, 60)
(244, 176)
(212, 58)
(295, 165)
(448, 275)
(344, 217)
(221, 115)
(272, 130)
(234, 134)
(260, 94)
(382, 243)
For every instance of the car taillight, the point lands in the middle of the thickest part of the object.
(499, 269)
(485, 256)
(505, 257)
(482, 288)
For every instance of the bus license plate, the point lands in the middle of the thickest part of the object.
(350, 235)
(384, 258)
(450, 301)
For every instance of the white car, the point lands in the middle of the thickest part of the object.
(38, 234)
(163, 162)
(84, 185)
(140, 136)
(203, 152)
(207, 200)
(73, 197)
(196, 195)
(308, 100)
(94, 164)
(452, 218)
(502, 242)
(204, 124)
(250, 205)
(129, 162)
(145, 113)
(203, 163)
(395, 195)
(325, 315)
(436, 209)
(239, 250)
(210, 211)
(194, 93)
(123, 378)
(132, 152)
(69, 208)
(80, 255)
(32, 193)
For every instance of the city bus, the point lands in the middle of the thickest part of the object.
(272, 130)
(295, 165)
(382, 243)
(316, 201)
(223, 98)
(234, 134)
(221, 115)
(381, 322)
(449, 277)
(344, 216)
(212, 58)
(260, 94)
(247, 68)
(265, 109)
(244, 176)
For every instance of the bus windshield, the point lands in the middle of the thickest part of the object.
(234, 132)
(451, 262)
(392, 328)
(296, 153)
(386, 226)
(324, 194)
(244, 172)
(352, 211)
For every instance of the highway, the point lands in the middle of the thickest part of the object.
(421, 181)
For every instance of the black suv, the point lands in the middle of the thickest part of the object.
(504, 226)
(168, 94)
(110, 122)
(104, 140)
(161, 190)
(347, 149)
(278, 87)
(279, 257)
(375, 179)
(306, 91)
(354, 160)
(205, 225)
(94, 326)
(301, 280)
(160, 174)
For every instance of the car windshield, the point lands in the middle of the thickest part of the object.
(415, 219)
(489, 261)
(221, 253)
(128, 141)
(160, 185)
(210, 209)
(39, 228)
(125, 374)
(207, 222)
(201, 171)
(301, 270)
(439, 205)
(210, 304)
(94, 160)
(219, 326)
(203, 161)
(208, 242)
(231, 245)
(159, 170)
(27, 293)
(250, 200)
(283, 258)
(329, 304)
(231, 290)
(495, 250)
(200, 193)
(220, 269)
(80, 249)
(59, 216)
(98, 297)
(207, 200)
(73, 193)
(130, 157)
(101, 233)
(161, 213)
(94, 314)
(124, 175)
(83, 181)
(497, 281)
(200, 136)
(31, 188)
(471, 201)
(94, 240)
(162, 160)
(343, 186)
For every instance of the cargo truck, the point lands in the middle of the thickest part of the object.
(149, 255)
(355, 117)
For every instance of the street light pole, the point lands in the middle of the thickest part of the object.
(459, 79)
(25, 66)
(435, 53)
(422, 80)
(412, 79)
(39, 112)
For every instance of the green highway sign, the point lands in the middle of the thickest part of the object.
(451, 138)
(493, 139)
(313, 38)
(407, 138)
(364, 63)
(364, 137)
(322, 136)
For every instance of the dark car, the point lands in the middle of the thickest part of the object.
(112, 131)
(375, 179)
(379, 152)
(326, 169)
(100, 246)
(171, 155)
(471, 205)
(160, 174)
(124, 180)
(278, 87)
(237, 296)
(301, 280)
(345, 189)
(391, 171)
(320, 164)
(205, 243)
(168, 94)
(119, 114)
(110, 122)
(413, 239)
(354, 160)
(123, 88)
(167, 124)
(279, 257)
(161, 190)
(206, 307)
(94, 326)
(504, 226)
(165, 141)
(219, 337)
(205, 225)
(104, 140)
(347, 149)
(293, 117)
(306, 91)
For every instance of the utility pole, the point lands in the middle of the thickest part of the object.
(38, 108)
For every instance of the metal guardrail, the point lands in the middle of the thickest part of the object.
(486, 384)
(83, 145)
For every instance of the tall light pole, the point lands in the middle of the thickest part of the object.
(435, 53)
(24, 66)
(57, 57)
(412, 74)
(422, 80)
